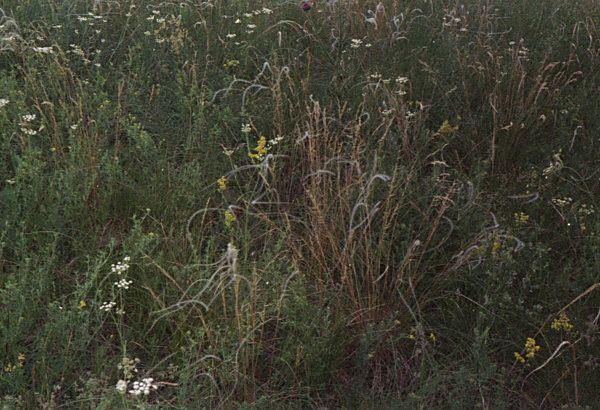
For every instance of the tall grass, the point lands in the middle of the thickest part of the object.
(240, 204)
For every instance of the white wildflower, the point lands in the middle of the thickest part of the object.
(356, 43)
(43, 50)
(3, 102)
(120, 267)
(121, 386)
(107, 306)
(246, 128)
(143, 387)
(562, 201)
(276, 140)
(123, 284)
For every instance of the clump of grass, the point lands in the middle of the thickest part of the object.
(224, 204)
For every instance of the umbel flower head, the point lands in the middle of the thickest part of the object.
(531, 348)
(143, 387)
(562, 322)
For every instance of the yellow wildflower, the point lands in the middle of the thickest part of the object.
(521, 218)
(446, 128)
(229, 218)
(9, 368)
(260, 150)
(519, 357)
(531, 348)
(222, 184)
(82, 304)
(562, 322)
(231, 63)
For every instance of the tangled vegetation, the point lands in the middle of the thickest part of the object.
(277, 204)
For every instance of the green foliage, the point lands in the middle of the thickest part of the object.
(261, 207)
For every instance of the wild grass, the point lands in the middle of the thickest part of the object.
(232, 204)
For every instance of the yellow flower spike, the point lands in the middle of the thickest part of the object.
(229, 218)
(260, 150)
(519, 357)
(531, 347)
(222, 184)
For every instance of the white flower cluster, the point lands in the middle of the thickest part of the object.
(3, 102)
(123, 284)
(25, 124)
(401, 83)
(120, 267)
(275, 141)
(121, 386)
(586, 209)
(356, 43)
(567, 200)
(43, 50)
(246, 128)
(143, 387)
(107, 306)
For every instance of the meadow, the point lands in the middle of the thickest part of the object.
(255, 204)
